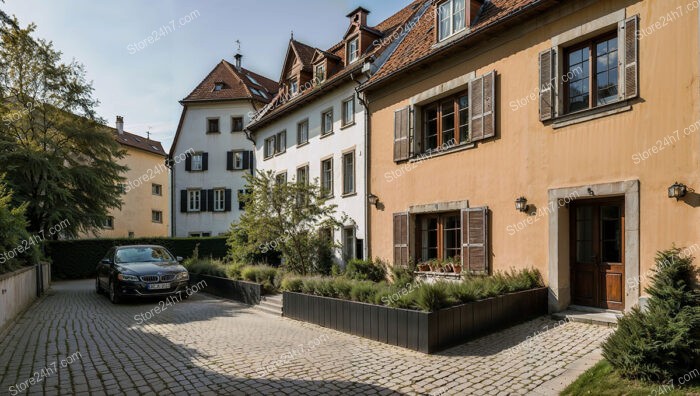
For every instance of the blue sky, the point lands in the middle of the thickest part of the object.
(145, 84)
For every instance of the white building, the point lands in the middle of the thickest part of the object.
(315, 128)
(205, 186)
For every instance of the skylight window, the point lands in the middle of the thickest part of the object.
(218, 86)
(254, 81)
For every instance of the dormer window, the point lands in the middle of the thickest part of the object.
(293, 87)
(353, 50)
(451, 18)
(320, 73)
(218, 86)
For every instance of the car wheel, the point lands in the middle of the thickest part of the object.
(113, 294)
(98, 288)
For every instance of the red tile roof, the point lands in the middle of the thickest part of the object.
(419, 43)
(237, 84)
(386, 27)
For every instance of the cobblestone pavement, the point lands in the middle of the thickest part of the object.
(209, 346)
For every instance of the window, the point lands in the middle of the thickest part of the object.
(446, 123)
(326, 234)
(242, 197)
(219, 200)
(293, 86)
(353, 50)
(270, 146)
(348, 111)
(591, 73)
(122, 188)
(197, 161)
(303, 132)
(237, 160)
(200, 234)
(327, 122)
(439, 236)
(156, 189)
(327, 177)
(320, 73)
(349, 173)
(212, 125)
(348, 243)
(451, 18)
(109, 223)
(156, 216)
(236, 124)
(281, 142)
(194, 200)
(281, 178)
(218, 86)
(303, 174)
(131, 234)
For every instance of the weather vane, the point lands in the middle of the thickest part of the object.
(238, 42)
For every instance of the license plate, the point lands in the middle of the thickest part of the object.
(158, 286)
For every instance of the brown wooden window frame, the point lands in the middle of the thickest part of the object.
(437, 106)
(441, 228)
(590, 44)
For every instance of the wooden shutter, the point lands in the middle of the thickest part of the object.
(227, 200)
(627, 38)
(401, 141)
(475, 238)
(188, 162)
(205, 161)
(401, 239)
(247, 160)
(547, 89)
(476, 109)
(229, 160)
(204, 200)
(482, 107)
(183, 201)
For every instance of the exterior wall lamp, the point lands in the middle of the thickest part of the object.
(521, 204)
(677, 190)
(373, 199)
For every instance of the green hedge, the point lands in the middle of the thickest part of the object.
(77, 259)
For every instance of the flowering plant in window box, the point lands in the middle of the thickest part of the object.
(436, 265)
(423, 267)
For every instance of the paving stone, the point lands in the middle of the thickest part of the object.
(206, 345)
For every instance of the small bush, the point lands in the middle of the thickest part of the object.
(365, 270)
(205, 267)
(292, 284)
(363, 291)
(342, 288)
(430, 297)
(401, 275)
(662, 341)
(463, 292)
(233, 271)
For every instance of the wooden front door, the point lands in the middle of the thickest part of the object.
(597, 253)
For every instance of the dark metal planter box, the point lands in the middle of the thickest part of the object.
(245, 292)
(426, 332)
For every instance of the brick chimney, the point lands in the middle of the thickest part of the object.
(120, 125)
(358, 16)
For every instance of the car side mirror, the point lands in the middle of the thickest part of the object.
(179, 259)
(106, 261)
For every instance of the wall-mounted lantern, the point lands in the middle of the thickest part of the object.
(521, 204)
(677, 190)
(373, 199)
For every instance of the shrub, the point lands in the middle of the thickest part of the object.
(292, 284)
(363, 291)
(342, 288)
(463, 292)
(430, 297)
(401, 275)
(233, 271)
(661, 341)
(365, 270)
(205, 267)
(14, 238)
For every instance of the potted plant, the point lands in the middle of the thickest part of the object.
(435, 265)
(423, 267)
(447, 265)
(457, 264)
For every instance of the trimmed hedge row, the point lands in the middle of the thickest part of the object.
(77, 259)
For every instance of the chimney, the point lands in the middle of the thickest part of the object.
(358, 16)
(120, 125)
(238, 57)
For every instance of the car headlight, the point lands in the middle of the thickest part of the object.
(183, 276)
(129, 278)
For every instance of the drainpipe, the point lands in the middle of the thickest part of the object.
(363, 100)
(170, 164)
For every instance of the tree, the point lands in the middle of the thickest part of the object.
(16, 245)
(662, 341)
(288, 218)
(58, 155)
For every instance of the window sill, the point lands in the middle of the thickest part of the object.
(306, 143)
(213, 133)
(278, 154)
(194, 211)
(348, 195)
(196, 171)
(237, 131)
(591, 114)
(346, 126)
(451, 38)
(267, 158)
(427, 155)
(326, 135)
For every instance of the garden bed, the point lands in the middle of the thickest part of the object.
(426, 332)
(238, 290)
